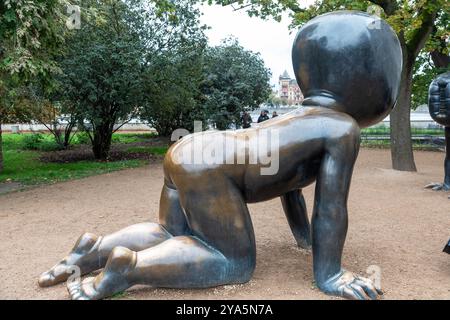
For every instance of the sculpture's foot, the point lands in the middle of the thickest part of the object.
(63, 269)
(438, 186)
(111, 280)
(83, 290)
(350, 286)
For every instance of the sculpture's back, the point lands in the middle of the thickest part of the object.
(350, 61)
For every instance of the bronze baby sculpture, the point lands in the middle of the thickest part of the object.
(439, 107)
(348, 66)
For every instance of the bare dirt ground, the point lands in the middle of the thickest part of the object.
(393, 223)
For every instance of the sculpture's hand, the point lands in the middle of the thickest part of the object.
(351, 286)
(438, 186)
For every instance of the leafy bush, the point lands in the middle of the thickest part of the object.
(40, 142)
(82, 138)
(32, 141)
(132, 137)
(49, 145)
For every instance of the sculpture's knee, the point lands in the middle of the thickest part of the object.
(121, 260)
(243, 270)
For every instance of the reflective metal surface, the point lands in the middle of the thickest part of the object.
(349, 73)
(439, 107)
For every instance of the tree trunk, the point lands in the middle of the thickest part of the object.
(101, 144)
(447, 157)
(1, 149)
(401, 143)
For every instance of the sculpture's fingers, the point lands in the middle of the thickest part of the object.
(367, 280)
(359, 291)
(368, 287)
(350, 294)
(431, 185)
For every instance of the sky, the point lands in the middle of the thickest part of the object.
(273, 40)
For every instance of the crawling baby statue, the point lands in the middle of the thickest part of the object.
(348, 66)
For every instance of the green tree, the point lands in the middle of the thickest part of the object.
(275, 101)
(173, 69)
(102, 71)
(425, 70)
(114, 61)
(31, 33)
(414, 22)
(236, 80)
(173, 97)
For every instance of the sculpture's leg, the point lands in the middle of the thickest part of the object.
(226, 253)
(436, 186)
(91, 252)
(329, 224)
(295, 209)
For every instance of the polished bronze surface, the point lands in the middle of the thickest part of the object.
(348, 64)
(439, 107)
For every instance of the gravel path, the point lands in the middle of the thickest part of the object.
(393, 223)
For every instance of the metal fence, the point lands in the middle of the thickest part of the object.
(425, 135)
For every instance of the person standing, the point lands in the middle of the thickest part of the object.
(246, 120)
(263, 116)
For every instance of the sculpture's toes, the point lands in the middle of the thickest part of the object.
(83, 290)
(68, 266)
(57, 274)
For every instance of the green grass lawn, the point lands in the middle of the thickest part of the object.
(149, 150)
(383, 130)
(23, 166)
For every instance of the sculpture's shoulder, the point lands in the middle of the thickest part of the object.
(327, 117)
(335, 124)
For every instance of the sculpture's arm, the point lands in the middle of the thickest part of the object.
(329, 221)
(295, 209)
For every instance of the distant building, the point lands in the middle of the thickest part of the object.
(289, 90)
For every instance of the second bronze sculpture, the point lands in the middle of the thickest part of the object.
(439, 107)
(348, 66)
